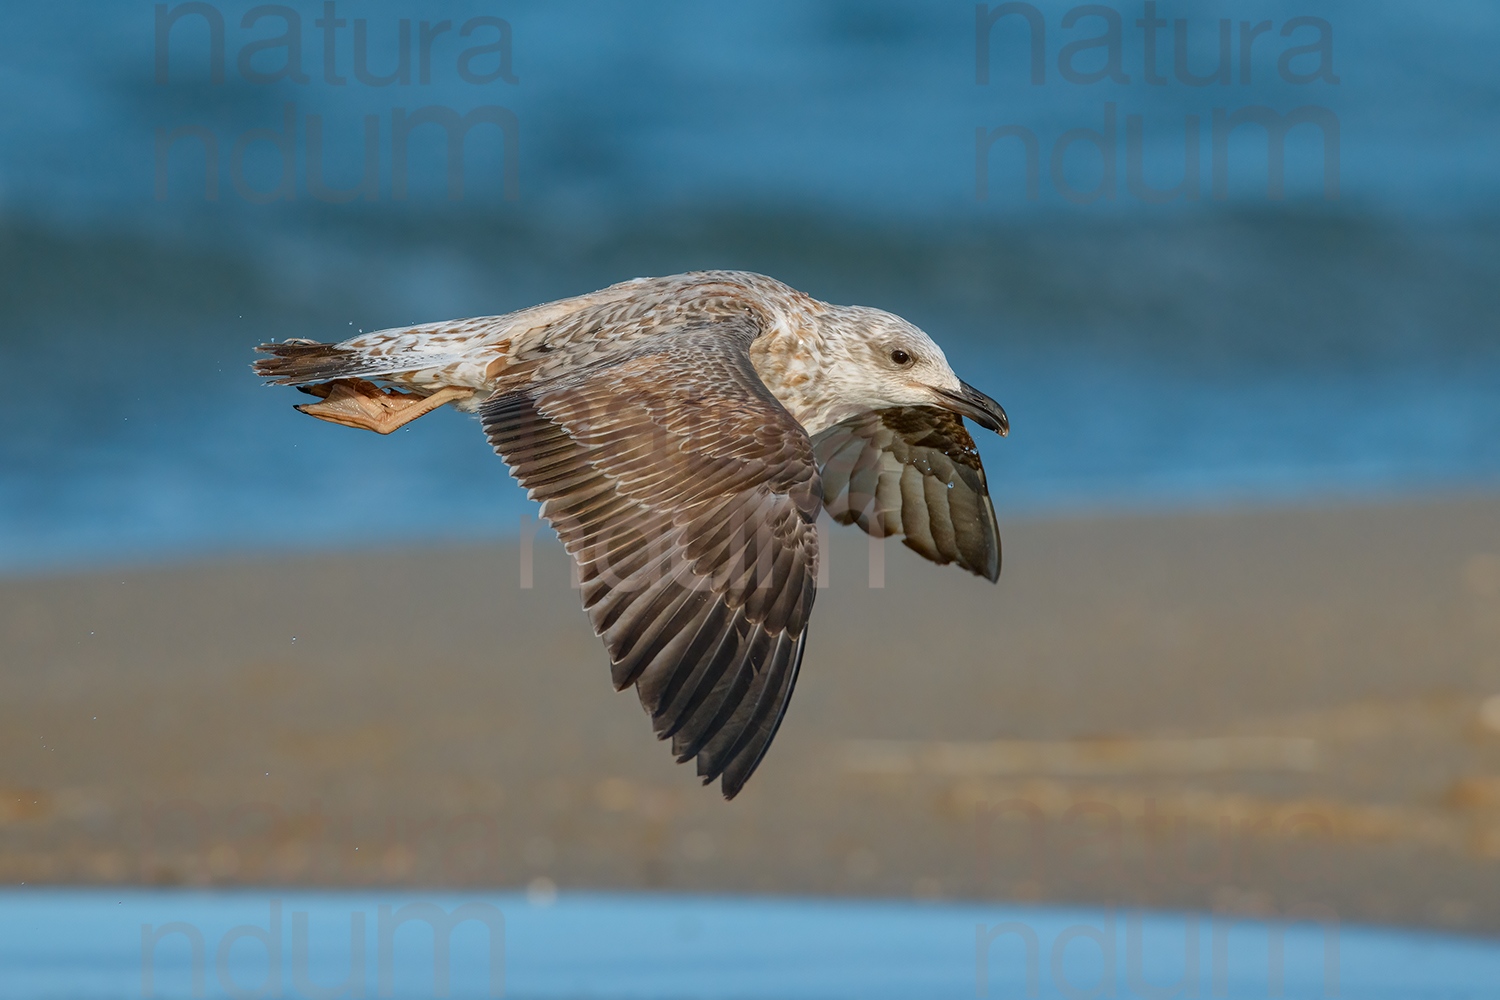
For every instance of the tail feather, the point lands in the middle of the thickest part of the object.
(301, 362)
(295, 362)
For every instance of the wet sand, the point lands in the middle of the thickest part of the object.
(1267, 712)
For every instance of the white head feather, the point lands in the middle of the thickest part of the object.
(859, 359)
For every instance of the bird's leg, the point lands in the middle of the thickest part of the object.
(354, 402)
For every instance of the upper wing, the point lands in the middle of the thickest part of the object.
(912, 471)
(687, 496)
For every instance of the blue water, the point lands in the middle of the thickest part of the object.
(87, 944)
(226, 465)
(871, 105)
(1206, 353)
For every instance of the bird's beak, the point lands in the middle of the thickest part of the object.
(970, 402)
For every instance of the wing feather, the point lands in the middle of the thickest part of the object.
(912, 471)
(686, 495)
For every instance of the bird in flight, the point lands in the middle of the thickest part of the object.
(683, 434)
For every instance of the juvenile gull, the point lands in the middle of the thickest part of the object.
(682, 435)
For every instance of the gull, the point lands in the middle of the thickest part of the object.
(683, 434)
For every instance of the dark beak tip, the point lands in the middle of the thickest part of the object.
(980, 408)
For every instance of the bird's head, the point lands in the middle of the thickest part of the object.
(880, 361)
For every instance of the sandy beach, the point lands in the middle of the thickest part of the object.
(1274, 711)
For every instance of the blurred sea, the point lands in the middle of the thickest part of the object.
(91, 944)
(1203, 352)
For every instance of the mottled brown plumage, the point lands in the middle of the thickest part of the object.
(682, 435)
(912, 471)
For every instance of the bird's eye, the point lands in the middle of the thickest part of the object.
(900, 357)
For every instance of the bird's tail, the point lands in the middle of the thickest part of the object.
(338, 375)
(305, 362)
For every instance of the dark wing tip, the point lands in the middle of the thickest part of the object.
(751, 749)
(988, 571)
(991, 569)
